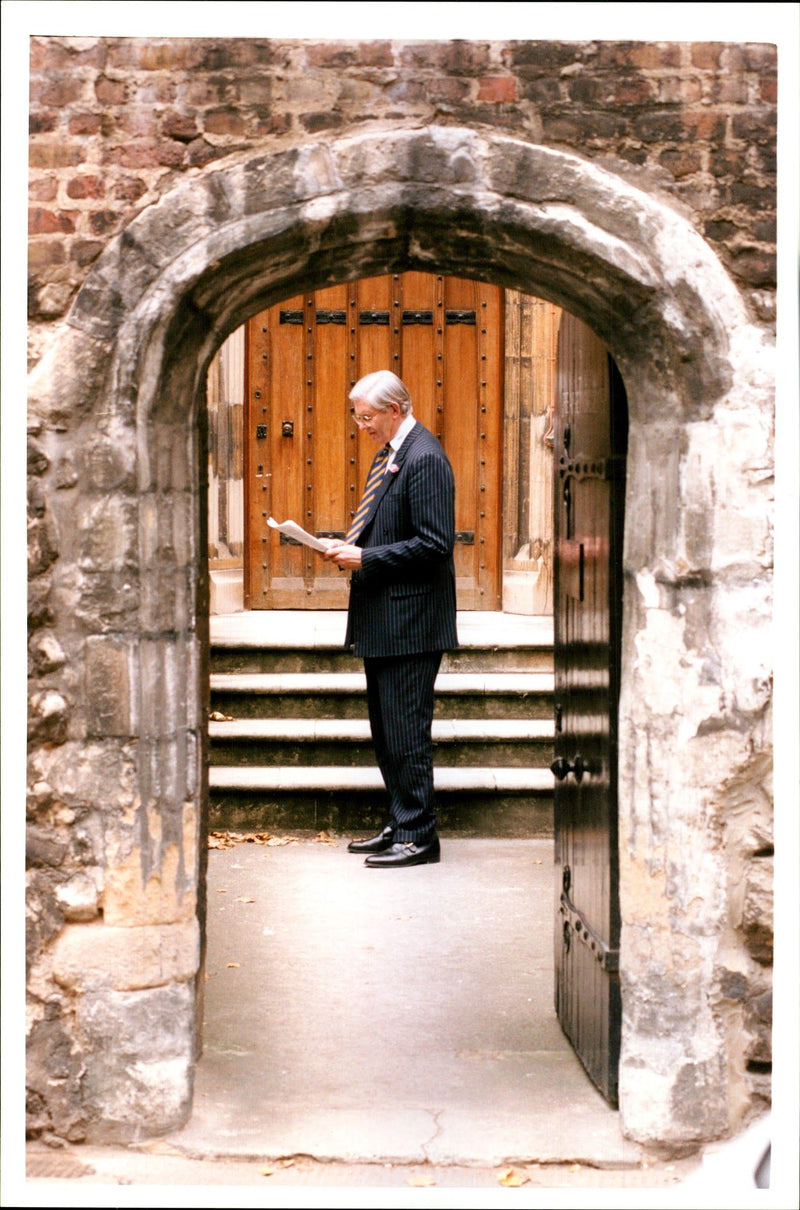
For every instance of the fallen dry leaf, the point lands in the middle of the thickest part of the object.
(244, 899)
(323, 838)
(422, 1181)
(267, 1171)
(512, 1179)
(222, 840)
(233, 965)
(217, 717)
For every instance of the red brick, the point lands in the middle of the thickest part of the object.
(138, 123)
(497, 88)
(679, 90)
(632, 90)
(154, 54)
(49, 222)
(705, 125)
(129, 189)
(110, 92)
(244, 52)
(85, 123)
(153, 90)
(85, 186)
(733, 58)
(180, 126)
(343, 54)
(731, 90)
(706, 55)
(768, 89)
(761, 56)
(650, 55)
(84, 251)
(172, 154)
(53, 154)
(44, 253)
(58, 90)
(271, 123)
(455, 58)
(45, 189)
(48, 57)
(41, 123)
(448, 89)
(134, 155)
(757, 266)
(103, 221)
(224, 121)
(682, 161)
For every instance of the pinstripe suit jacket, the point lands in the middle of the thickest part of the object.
(403, 598)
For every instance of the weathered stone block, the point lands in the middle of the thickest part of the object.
(109, 708)
(88, 775)
(87, 957)
(152, 881)
(53, 1077)
(108, 535)
(757, 914)
(126, 1096)
(47, 654)
(78, 898)
(48, 716)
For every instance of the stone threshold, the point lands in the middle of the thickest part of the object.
(355, 682)
(532, 781)
(292, 628)
(443, 731)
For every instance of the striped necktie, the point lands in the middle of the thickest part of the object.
(377, 471)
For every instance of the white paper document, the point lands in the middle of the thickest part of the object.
(293, 530)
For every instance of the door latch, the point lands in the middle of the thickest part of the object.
(561, 767)
(287, 428)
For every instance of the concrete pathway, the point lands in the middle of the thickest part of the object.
(382, 1030)
(389, 1016)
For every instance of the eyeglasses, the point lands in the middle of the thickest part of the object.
(362, 420)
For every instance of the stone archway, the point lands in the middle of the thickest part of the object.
(128, 370)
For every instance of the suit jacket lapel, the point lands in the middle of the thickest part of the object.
(395, 459)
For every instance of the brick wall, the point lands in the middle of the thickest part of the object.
(114, 122)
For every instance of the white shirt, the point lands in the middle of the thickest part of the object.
(399, 437)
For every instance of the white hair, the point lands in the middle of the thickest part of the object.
(381, 389)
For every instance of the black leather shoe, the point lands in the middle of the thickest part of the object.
(377, 844)
(406, 853)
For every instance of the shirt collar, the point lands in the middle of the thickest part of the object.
(403, 431)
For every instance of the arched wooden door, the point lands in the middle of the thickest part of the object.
(305, 459)
(590, 445)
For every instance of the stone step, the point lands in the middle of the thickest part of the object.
(292, 748)
(315, 741)
(293, 641)
(516, 781)
(335, 659)
(342, 695)
(485, 801)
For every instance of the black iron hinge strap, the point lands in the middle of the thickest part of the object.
(607, 957)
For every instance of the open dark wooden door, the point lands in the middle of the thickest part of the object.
(590, 444)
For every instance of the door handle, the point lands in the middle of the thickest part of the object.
(561, 767)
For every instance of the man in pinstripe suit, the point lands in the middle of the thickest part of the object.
(402, 613)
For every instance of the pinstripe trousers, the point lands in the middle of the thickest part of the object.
(400, 703)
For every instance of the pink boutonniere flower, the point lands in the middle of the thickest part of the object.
(394, 469)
